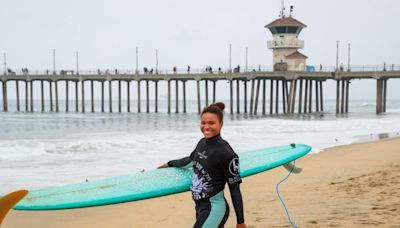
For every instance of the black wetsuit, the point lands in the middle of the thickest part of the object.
(214, 164)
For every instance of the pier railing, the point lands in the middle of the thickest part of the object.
(204, 70)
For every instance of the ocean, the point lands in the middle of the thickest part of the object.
(43, 149)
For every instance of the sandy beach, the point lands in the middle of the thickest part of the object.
(347, 186)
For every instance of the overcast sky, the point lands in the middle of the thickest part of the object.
(107, 32)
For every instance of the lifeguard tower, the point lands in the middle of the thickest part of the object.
(285, 43)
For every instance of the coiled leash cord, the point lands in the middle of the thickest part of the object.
(280, 198)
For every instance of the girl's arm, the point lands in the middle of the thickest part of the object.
(237, 203)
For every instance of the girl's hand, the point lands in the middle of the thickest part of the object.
(165, 165)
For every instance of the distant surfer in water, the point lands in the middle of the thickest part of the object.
(214, 164)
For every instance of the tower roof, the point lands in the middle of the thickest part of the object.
(296, 55)
(286, 21)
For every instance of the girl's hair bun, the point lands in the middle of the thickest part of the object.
(220, 105)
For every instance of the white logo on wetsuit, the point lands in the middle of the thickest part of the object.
(200, 182)
(199, 187)
(202, 155)
(234, 168)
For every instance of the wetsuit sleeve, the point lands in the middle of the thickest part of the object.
(232, 175)
(181, 162)
(232, 170)
(237, 202)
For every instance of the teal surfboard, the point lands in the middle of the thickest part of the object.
(148, 184)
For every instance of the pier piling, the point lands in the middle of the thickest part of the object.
(92, 95)
(277, 97)
(5, 105)
(51, 94)
(230, 96)
(293, 96)
(177, 96)
(384, 94)
(264, 96)
(76, 97)
(109, 95)
(342, 97)
(206, 91)
(306, 95)
(214, 90)
(128, 94)
(119, 96)
(102, 96)
(83, 95)
(310, 97)
(184, 95)
(138, 96)
(17, 93)
(322, 97)
(284, 96)
(169, 96)
(147, 97)
(42, 94)
(198, 97)
(26, 96)
(66, 96)
(31, 90)
(337, 95)
(56, 93)
(245, 95)
(256, 98)
(252, 96)
(346, 109)
(317, 96)
(300, 95)
(238, 96)
(271, 96)
(156, 95)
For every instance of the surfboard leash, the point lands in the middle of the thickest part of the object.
(280, 198)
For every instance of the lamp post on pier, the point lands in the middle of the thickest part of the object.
(246, 58)
(5, 63)
(137, 61)
(348, 58)
(77, 63)
(54, 61)
(230, 58)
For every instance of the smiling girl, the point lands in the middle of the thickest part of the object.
(214, 164)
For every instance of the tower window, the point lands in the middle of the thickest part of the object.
(292, 29)
(280, 29)
(285, 30)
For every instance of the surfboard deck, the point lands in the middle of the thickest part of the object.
(148, 184)
(9, 200)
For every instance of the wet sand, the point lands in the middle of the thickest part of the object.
(348, 186)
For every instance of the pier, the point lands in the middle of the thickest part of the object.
(291, 86)
(302, 91)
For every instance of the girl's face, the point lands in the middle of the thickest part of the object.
(210, 125)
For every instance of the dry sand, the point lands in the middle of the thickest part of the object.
(347, 186)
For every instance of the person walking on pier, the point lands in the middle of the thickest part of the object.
(214, 164)
(188, 69)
